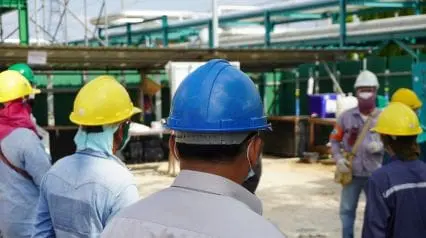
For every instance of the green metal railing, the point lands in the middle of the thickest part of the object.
(21, 7)
(172, 32)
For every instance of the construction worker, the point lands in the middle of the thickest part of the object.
(82, 192)
(23, 161)
(396, 192)
(409, 98)
(362, 150)
(217, 116)
(27, 72)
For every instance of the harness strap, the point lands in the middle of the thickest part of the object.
(20, 171)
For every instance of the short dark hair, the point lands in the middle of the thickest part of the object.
(213, 153)
(405, 147)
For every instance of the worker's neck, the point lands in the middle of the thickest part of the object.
(226, 170)
(367, 112)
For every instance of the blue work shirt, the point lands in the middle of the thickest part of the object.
(396, 201)
(19, 195)
(81, 193)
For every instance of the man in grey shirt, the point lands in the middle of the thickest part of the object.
(369, 154)
(217, 116)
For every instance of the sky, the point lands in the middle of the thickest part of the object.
(75, 30)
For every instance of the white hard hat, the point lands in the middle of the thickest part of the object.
(366, 79)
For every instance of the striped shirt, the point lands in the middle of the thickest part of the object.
(396, 201)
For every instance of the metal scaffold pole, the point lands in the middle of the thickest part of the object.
(50, 101)
(106, 23)
(342, 16)
(86, 38)
(37, 30)
(66, 22)
(215, 24)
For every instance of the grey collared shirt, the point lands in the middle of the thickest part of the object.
(367, 158)
(196, 205)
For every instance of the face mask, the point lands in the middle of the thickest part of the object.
(99, 141)
(365, 95)
(366, 102)
(253, 177)
(125, 137)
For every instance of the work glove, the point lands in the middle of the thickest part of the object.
(343, 166)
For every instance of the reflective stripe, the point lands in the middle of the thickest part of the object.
(399, 187)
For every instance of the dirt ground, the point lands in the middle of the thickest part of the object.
(301, 199)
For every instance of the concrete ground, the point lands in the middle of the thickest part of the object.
(301, 199)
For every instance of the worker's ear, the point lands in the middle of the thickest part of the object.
(172, 147)
(255, 150)
(385, 140)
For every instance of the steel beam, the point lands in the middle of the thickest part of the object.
(165, 26)
(418, 8)
(301, 15)
(380, 47)
(381, 4)
(342, 17)
(128, 34)
(268, 28)
(211, 37)
(408, 49)
(292, 20)
(23, 25)
(297, 92)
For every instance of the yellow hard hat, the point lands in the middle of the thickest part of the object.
(397, 119)
(102, 101)
(13, 86)
(408, 97)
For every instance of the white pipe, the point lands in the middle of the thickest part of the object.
(50, 100)
(106, 23)
(381, 26)
(364, 28)
(37, 31)
(215, 24)
(86, 38)
(43, 6)
(65, 21)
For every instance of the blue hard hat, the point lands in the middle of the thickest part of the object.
(217, 97)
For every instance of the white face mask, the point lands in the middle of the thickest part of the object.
(365, 95)
(251, 172)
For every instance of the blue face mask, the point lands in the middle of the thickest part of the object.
(100, 141)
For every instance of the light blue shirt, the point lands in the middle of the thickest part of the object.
(197, 205)
(81, 193)
(18, 195)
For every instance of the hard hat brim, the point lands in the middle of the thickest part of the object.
(79, 121)
(36, 91)
(136, 110)
(393, 133)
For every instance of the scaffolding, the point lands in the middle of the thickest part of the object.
(49, 20)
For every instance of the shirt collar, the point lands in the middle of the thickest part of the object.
(375, 112)
(210, 183)
(101, 155)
